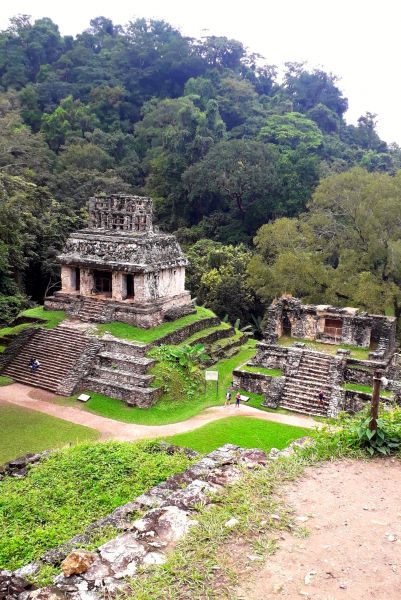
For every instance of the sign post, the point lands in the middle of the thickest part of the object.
(213, 376)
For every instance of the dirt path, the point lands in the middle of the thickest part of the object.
(40, 400)
(353, 551)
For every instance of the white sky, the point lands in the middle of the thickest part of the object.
(358, 40)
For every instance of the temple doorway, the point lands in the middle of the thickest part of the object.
(286, 325)
(333, 328)
(77, 279)
(130, 286)
(102, 281)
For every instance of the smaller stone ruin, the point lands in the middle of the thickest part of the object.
(305, 372)
(287, 316)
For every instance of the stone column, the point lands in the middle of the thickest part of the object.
(68, 279)
(139, 287)
(87, 282)
(117, 286)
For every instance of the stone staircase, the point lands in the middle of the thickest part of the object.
(64, 354)
(301, 389)
(120, 371)
(94, 310)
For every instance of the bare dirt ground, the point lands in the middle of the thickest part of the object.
(352, 510)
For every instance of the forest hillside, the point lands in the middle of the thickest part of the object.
(226, 151)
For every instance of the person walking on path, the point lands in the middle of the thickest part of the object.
(237, 399)
(227, 401)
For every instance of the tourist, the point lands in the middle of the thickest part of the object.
(35, 365)
(237, 399)
(227, 401)
(321, 397)
(31, 363)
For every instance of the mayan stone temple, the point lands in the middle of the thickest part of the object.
(295, 341)
(121, 268)
(117, 269)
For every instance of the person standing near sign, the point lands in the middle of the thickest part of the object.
(237, 399)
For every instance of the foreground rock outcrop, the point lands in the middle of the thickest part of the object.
(168, 511)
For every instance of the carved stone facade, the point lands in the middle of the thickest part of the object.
(121, 261)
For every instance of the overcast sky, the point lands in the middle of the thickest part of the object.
(358, 40)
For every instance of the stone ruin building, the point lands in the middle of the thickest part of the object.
(329, 324)
(306, 371)
(121, 268)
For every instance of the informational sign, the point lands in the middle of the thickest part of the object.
(83, 398)
(211, 375)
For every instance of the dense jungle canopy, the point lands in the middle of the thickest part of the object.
(225, 149)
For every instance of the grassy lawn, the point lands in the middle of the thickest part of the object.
(24, 430)
(52, 318)
(71, 489)
(4, 380)
(166, 411)
(356, 352)
(132, 334)
(358, 387)
(262, 370)
(247, 432)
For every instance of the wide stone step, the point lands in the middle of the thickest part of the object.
(303, 399)
(142, 397)
(305, 402)
(313, 376)
(116, 347)
(312, 369)
(131, 364)
(123, 377)
(301, 386)
(312, 383)
(227, 350)
(304, 410)
(316, 358)
(310, 379)
(214, 336)
(303, 390)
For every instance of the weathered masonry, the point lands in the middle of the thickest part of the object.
(304, 372)
(288, 316)
(120, 267)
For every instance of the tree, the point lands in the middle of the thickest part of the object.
(217, 277)
(71, 117)
(307, 89)
(291, 130)
(237, 100)
(236, 175)
(345, 250)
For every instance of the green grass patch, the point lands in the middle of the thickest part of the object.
(24, 430)
(200, 334)
(73, 488)
(137, 334)
(247, 432)
(4, 380)
(367, 389)
(52, 318)
(356, 352)
(262, 370)
(167, 409)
